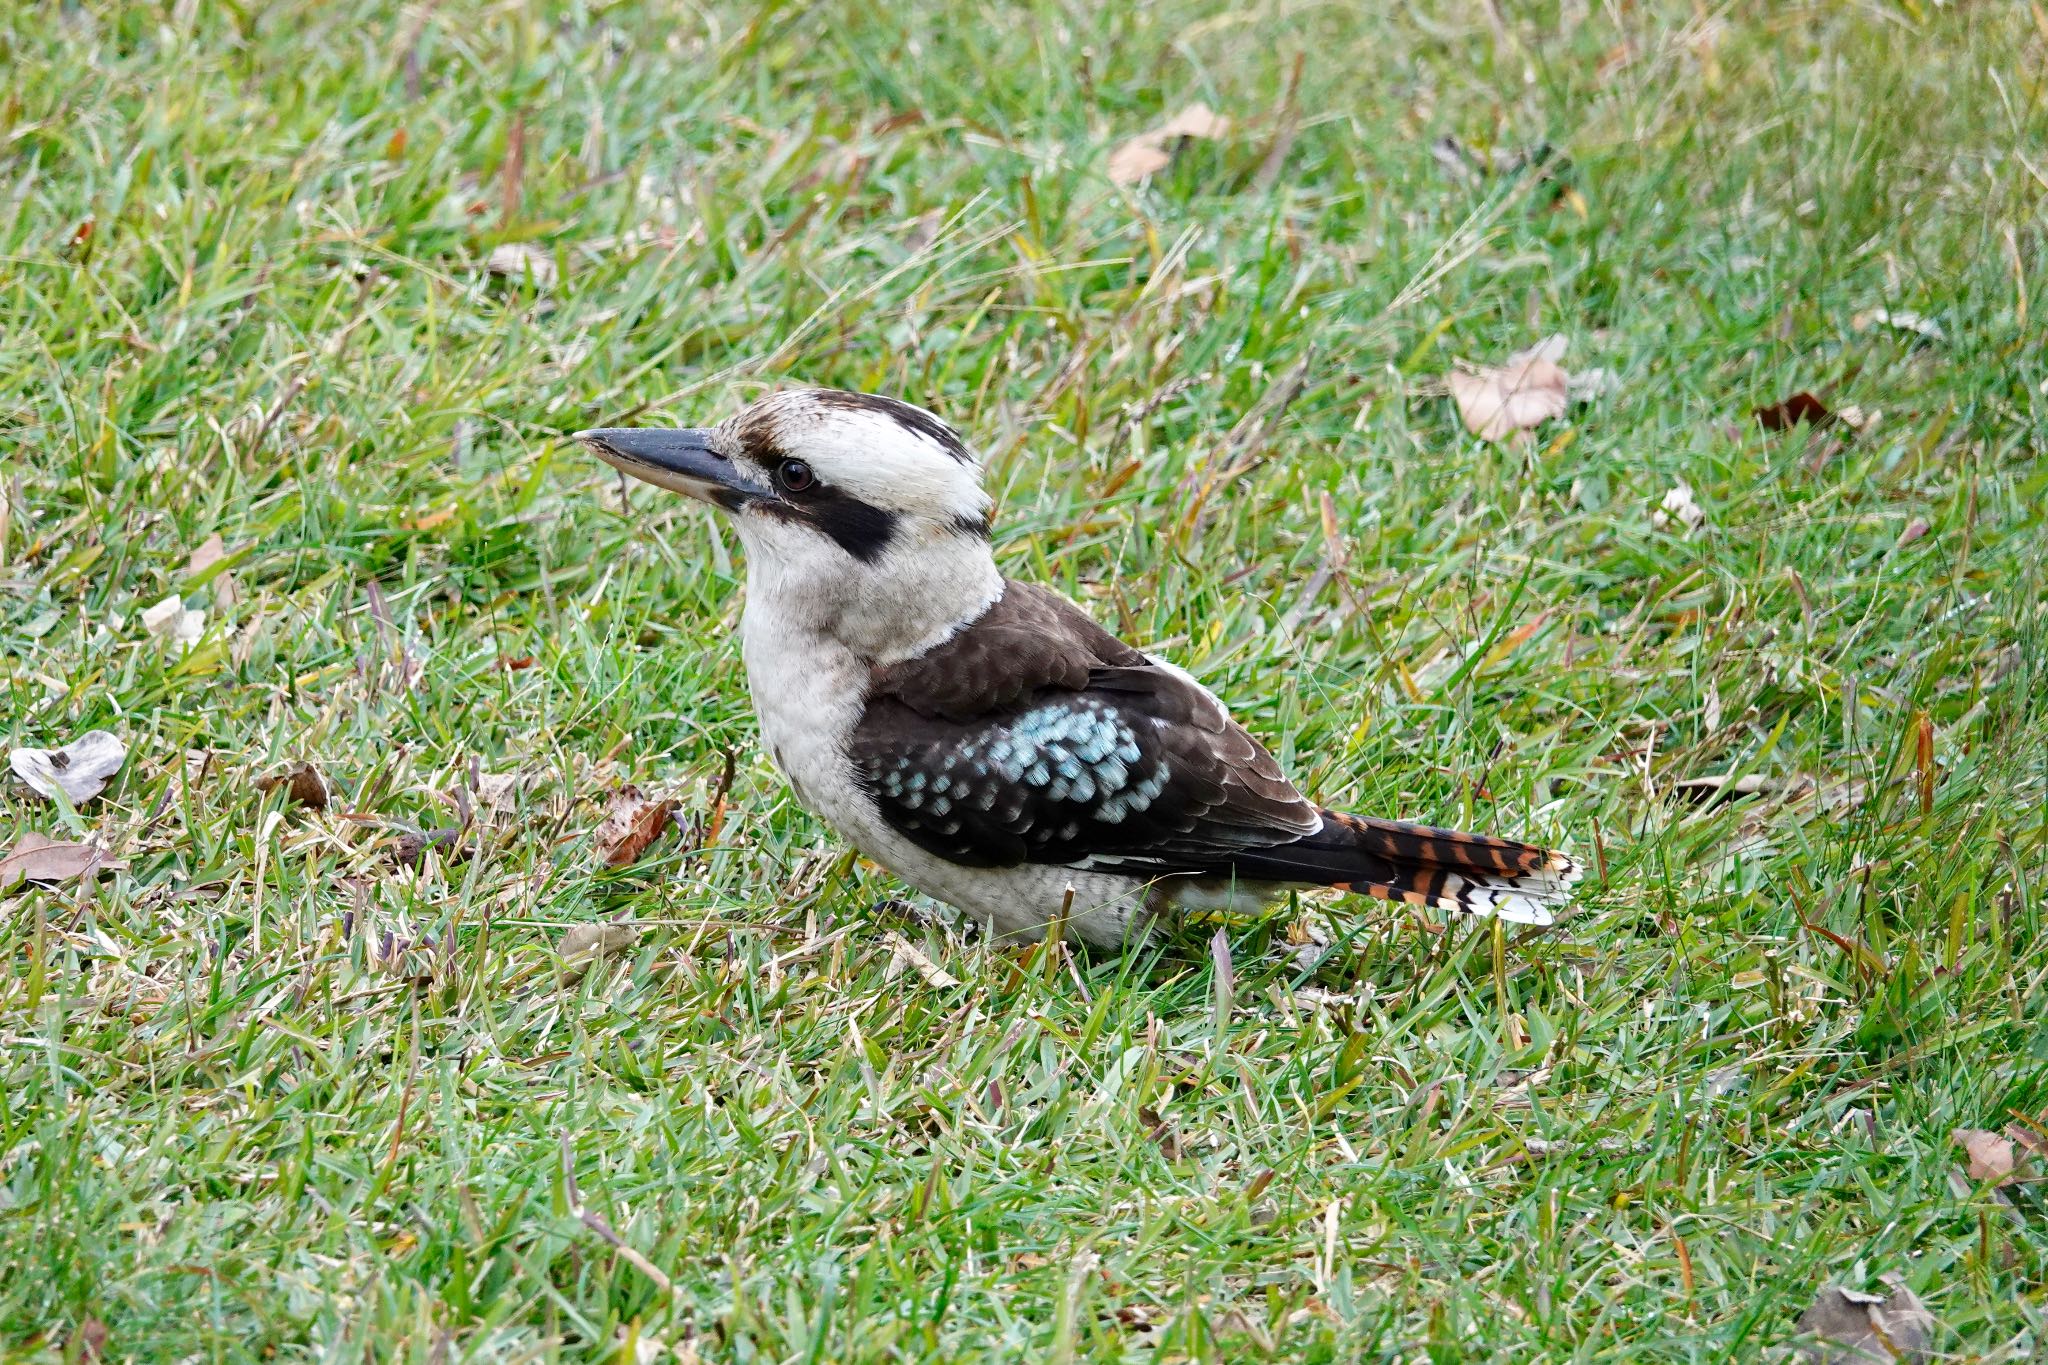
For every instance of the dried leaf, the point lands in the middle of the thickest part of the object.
(1801, 408)
(35, 858)
(1497, 401)
(304, 784)
(1849, 1327)
(88, 1341)
(585, 944)
(1915, 529)
(1147, 154)
(172, 620)
(631, 822)
(932, 972)
(1990, 1153)
(1899, 320)
(80, 769)
(2027, 1138)
(517, 260)
(210, 553)
(596, 940)
(499, 791)
(1678, 508)
(414, 845)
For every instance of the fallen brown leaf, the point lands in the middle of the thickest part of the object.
(2030, 1139)
(89, 1340)
(1915, 529)
(35, 858)
(1147, 154)
(209, 553)
(304, 785)
(80, 769)
(1990, 1153)
(1498, 401)
(632, 822)
(1801, 409)
(1850, 1327)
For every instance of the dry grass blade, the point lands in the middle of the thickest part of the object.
(906, 951)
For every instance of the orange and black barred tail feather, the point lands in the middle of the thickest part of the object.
(1391, 860)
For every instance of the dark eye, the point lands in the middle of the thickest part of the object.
(794, 475)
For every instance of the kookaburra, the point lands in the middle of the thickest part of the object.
(984, 739)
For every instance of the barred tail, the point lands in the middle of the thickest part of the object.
(1473, 874)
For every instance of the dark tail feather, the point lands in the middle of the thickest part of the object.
(1474, 874)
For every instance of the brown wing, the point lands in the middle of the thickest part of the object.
(1036, 736)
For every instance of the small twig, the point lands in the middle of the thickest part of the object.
(596, 1223)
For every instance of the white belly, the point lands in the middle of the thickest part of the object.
(809, 693)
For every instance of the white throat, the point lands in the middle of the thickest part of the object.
(919, 592)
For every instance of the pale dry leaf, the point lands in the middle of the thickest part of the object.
(304, 784)
(499, 791)
(81, 769)
(517, 260)
(1498, 401)
(583, 945)
(1990, 1153)
(632, 821)
(1860, 419)
(172, 620)
(1197, 120)
(1138, 158)
(37, 858)
(2027, 1139)
(1849, 1327)
(932, 972)
(1915, 529)
(211, 552)
(1679, 508)
(596, 940)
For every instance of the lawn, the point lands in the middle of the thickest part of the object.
(331, 282)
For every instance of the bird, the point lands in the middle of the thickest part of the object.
(983, 738)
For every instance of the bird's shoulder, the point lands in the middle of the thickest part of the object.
(1029, 639)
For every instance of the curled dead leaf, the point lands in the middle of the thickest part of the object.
(1990, 1153)
(81, 769)
(1498, 401)
(1849, 1327)
(632, 822)
(1138, 158)
(36, 858)
(1801, 409)
(584, 944)
(304, 785)
(414, 844)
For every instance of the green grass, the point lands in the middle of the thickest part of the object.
(228, 1131)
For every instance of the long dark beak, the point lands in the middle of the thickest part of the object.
(684, 461)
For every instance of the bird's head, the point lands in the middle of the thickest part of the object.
(861, 511)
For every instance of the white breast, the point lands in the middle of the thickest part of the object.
(809, 692)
